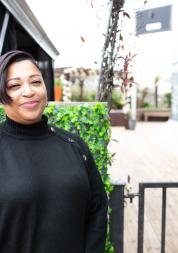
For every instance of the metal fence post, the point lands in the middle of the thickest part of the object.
(141, 218)
(117, 216)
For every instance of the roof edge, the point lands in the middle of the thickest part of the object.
(22, 12)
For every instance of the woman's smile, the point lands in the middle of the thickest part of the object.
(30, 104)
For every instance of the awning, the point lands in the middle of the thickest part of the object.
(23, 14)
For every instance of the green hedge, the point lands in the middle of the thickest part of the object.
(91, 122)
(2, 115)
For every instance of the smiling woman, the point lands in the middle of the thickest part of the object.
(26, 88)
(52, 198)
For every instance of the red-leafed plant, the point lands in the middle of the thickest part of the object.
(124, 74)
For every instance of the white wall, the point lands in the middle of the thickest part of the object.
(156, 52)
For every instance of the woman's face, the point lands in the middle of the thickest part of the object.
(25, 86)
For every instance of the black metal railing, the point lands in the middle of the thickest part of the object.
(117, 215)
(142, 187)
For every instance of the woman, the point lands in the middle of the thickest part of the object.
(52, 199)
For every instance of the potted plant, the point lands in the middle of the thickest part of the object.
(58, 89)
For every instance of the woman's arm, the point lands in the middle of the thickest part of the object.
(96, 216)
(96, 224)
(96, 220)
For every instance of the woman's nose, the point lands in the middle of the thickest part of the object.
(27, 90)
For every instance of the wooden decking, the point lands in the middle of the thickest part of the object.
(148, 154)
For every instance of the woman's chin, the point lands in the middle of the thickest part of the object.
(30, 119)
(26, 117)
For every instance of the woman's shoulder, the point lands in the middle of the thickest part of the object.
(69, 137)
(75, 140)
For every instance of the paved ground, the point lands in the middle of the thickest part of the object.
(148, 154)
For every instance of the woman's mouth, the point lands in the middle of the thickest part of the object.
(30, 104)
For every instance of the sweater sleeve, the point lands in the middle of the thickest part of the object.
(96, 217)
(96, 222)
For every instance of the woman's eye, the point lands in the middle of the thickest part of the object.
(14, 87)
(36, 83)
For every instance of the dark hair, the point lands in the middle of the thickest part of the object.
(5, 60)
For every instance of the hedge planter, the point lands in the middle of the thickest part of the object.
(91, 122)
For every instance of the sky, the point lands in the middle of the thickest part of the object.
(156, 52)
(75, 27)
(66, 21)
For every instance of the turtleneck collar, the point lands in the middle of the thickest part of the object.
(35, 129)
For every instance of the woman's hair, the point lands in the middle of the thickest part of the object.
(5, 60)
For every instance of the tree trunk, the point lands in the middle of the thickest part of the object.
(105, 85)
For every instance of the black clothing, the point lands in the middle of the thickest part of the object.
(52, 199)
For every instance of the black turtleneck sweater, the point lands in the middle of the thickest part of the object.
(52, 199)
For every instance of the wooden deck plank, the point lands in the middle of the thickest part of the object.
(148, 154)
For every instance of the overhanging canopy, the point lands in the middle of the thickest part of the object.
(23, 14)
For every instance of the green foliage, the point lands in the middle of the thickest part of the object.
(156, 80)
(147, 105)
(2, 115)
(91, 122)
(109, 248)
(58, 82)
(88, 96)
(142, 97)
(166, 103)
(117, 100)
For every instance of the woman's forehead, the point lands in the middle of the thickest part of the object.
(22, 69)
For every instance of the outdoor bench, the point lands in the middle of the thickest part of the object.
(156, 114)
